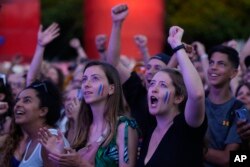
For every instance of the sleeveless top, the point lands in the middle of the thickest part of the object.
(108, 156)
(35, 159)
(181, 146)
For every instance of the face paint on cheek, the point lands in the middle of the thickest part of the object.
(100, 90)
(166, 97)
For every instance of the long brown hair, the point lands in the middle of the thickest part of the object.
(114, 107)
(178, 83)
(10, 145)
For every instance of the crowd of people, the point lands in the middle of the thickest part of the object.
(187, 109)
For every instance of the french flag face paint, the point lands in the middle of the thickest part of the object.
(100, 90)
(166, 97)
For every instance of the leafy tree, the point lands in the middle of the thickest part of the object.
(69, 15)
(209, 21)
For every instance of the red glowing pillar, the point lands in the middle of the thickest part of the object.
(145, 17)
(19, 22)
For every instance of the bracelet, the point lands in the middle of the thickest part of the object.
(182, 46)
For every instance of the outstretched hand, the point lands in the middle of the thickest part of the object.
(72, 159)
(119, 12)
(52, 143)
(73, 108)
(175, 36)
(46, 36)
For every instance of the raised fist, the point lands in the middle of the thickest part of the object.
(119, 12)
(140, 40)
(199, 48)
(74, 43)
(175, 36)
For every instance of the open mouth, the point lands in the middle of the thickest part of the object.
(214, 75)
(19, 112)
(87, 93)
(153, 101)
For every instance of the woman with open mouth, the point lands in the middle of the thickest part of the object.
(177, 100)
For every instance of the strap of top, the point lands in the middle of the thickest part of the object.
(128, 122)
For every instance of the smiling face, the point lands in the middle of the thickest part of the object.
(27, 109)
(153, 66)
(244, 95)
(220, 70)
(95, 85)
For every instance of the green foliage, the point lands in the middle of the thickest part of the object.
(69, 15)
(209, 21)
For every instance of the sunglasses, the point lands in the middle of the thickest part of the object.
(42, 84)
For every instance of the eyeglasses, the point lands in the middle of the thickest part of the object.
(41, 84)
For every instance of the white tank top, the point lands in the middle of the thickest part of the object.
(35, 159)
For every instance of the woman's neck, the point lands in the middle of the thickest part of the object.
(164, 121)
(98, 111)
(32, 130)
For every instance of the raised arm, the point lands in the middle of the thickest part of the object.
(201, 52)
(195, 106)
(76, 44)
(173, 63)
(43, 39)
(141, 42)
(119, 13)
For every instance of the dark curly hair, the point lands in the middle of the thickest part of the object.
(50, 97)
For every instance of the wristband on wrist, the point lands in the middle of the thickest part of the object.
(182, 46)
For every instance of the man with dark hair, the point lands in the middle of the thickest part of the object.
(220, 106)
